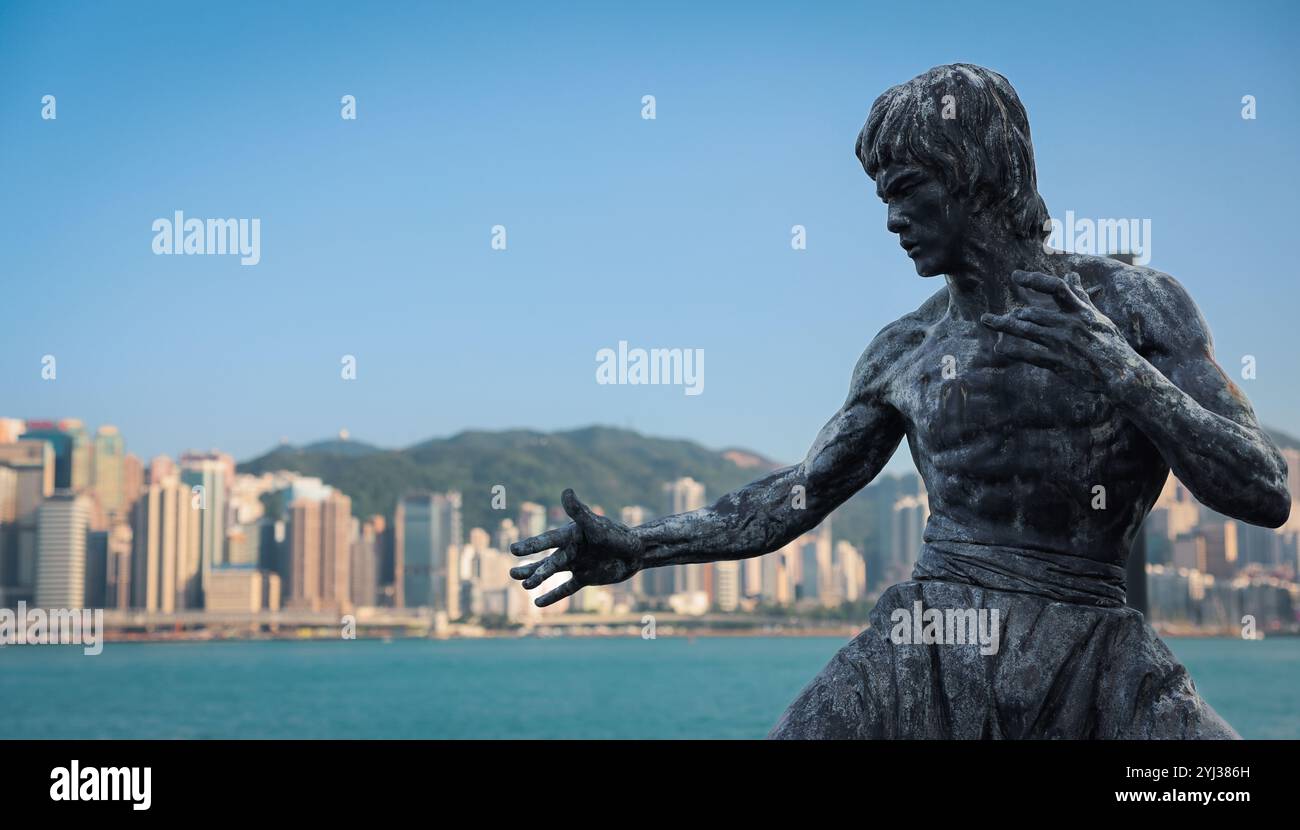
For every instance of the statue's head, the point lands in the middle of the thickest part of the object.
(950, 154)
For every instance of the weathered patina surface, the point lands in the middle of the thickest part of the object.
(1030, 380)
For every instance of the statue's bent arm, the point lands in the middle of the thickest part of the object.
(1197, 418)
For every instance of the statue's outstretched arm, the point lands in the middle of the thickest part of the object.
(755, 519)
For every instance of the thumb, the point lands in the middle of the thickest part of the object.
(577, 511)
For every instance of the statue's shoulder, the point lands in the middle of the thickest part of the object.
(1153, 308)
(889, 349)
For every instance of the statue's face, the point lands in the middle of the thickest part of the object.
(930, 223)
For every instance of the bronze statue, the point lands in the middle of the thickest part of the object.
(1030, 380)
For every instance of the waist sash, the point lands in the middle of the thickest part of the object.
(1055, 576)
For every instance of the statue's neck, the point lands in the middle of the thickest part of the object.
(983, 283)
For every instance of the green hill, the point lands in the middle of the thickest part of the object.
(606, 466)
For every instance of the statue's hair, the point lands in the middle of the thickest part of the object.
(982, 152)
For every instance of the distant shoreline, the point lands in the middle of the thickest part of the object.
(563, 632)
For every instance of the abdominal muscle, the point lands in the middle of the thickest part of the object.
(1039, 491)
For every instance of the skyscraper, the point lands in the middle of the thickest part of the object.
(366, 540)
(320, 553)
(507, 534)
(132, 480)
(427, 534)
(61, 558)
(726, 585)
(33, 464)
(850, 571)
(211, 471)
(166, 548)
(107, 470)
(1221, 559)
(907, 530)
(81, 452)
(680, 496)
(117, 591)
(61, 441)
(778, 574)
(532, 519)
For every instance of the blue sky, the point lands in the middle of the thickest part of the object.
(666, 233)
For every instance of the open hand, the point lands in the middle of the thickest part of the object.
(595, 549)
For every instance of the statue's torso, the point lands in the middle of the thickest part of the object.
(1014, 455)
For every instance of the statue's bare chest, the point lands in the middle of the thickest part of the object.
(956, 392)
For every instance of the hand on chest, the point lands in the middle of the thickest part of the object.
(957, 385)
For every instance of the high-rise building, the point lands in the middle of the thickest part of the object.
(810, 577)
(1189, 553)
(165, 573)
(632, 515)
(82, 451)
(117, 591)
(132, 481)
(160, 468)
(107, 470)
(824, 554)
(532, 519)
(208, 475)
(907, 531)
(1174, 513)
(507, 534)
(1221, 560)
(61, 442)
(96, 571)
(427, 538)
(850, 571)
(33, 463)
(726, 585)
(680, 496)
(61, 556)
(366, 541)
(320, 553)
(751, 571)
(778, 574)
(243, 545)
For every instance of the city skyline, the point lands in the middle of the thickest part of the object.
(83, 523)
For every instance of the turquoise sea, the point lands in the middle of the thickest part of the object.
(672, 687)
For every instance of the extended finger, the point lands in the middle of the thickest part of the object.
(1041, 316)
(1055, 287)
(551, 597)
(1020, 328)
(1028, 352)
(559, 537)
(525, 571)
(548, 567)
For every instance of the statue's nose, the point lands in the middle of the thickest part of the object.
(896, 223)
